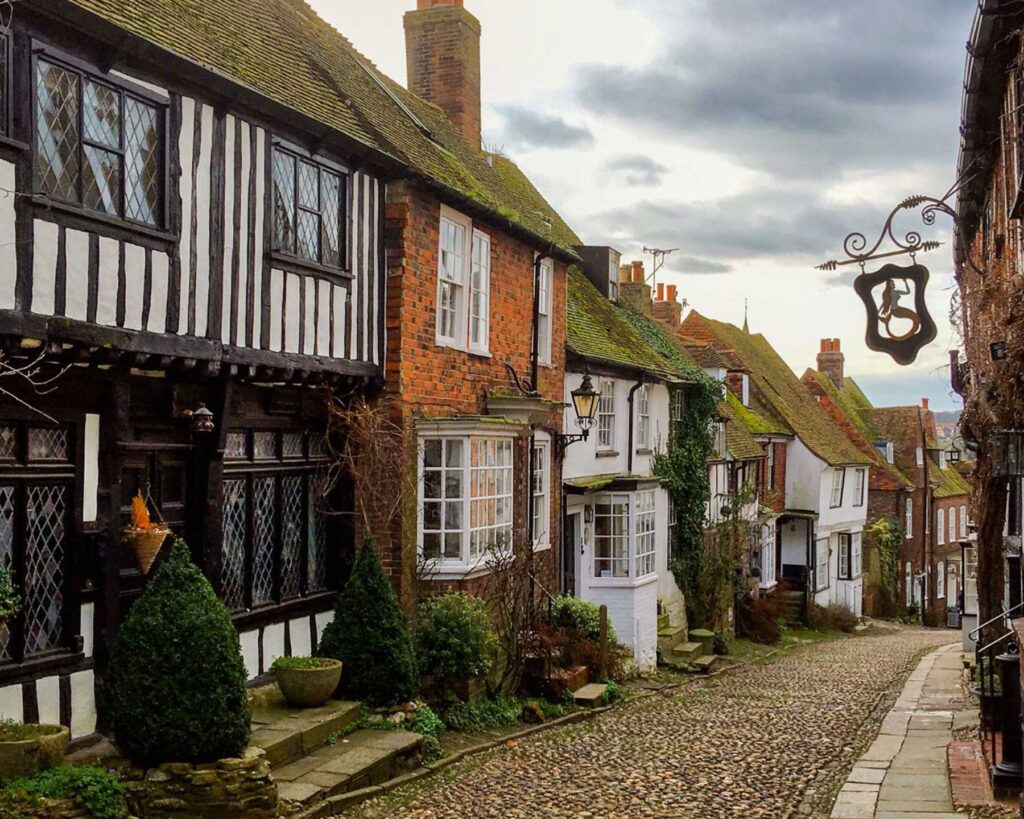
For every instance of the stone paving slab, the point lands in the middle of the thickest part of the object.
(904, 773)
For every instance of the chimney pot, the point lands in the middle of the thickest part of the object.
(638, 272)
(661, 292)
(672, 291)
(924, 403)
(831, 360)
(625, 273)
(825, 344)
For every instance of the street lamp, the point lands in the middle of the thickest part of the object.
(584, 402)
(1007, 453)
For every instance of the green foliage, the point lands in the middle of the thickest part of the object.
(683, 471)
(720, 644)
(613, 693)
(369, 635)
(887, 534)
(834, 617)
(176, 685)
(455, 638)
(540, 710)
(724, 552)
(10, 602)
(93, 788)
(760, 618)
(582, 616)
(302, 663)
(482, 714)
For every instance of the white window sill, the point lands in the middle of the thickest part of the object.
(480, 353)
(623, 582)
(454, 571)
(541, 547)
(451, 344)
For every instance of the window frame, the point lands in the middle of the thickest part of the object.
(838, 483)
(822, 567)
(631, 527)
(940, 579)
(466, 563)
(845, 556)
(480, 347)
(252, 467)
(643, 419)
(940, 526)
(545, 291)
(613, 281)
(908, 518)
(6, 84)
(124, 86)
(951, 525)
(677, 407)
(602, 415)
(541, 512)
(459, 338)
(963, 521)
(770, 467)
(859, 486)
(322, 163)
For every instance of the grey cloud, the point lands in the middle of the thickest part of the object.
(798, 89)
(637, 170)
(525, 129)
(693, 264)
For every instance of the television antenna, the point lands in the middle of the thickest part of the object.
(658, 258)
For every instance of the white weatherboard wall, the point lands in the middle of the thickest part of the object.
(632, 603)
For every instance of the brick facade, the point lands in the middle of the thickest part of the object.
(431, 381)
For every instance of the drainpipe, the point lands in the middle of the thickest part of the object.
(629, 454)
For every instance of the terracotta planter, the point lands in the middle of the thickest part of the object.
(307, 687)
(27, 757)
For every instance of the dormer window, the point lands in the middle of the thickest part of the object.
(613, 281)
(885, 449)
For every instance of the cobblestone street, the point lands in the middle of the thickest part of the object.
(769, 739)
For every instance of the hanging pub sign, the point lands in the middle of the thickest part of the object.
(898, 322)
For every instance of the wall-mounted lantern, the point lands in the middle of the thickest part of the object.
(584, 402)
(201, 419)
(1007, 453)
(953, 455)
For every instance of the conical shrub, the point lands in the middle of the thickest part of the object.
(369, 635)
(175, 688)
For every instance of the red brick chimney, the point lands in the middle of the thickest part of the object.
(831, 360)
(442, 53)
(666, 309)
(924, 403)
(633, 288)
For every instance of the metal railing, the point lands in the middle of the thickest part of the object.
(1003, 615)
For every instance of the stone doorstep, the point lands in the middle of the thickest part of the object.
(287, 734)
(366, 757)
(591, 695)
(687, 652)
(705, 664)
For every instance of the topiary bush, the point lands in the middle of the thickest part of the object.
(581, 616)
(175, 688)
(368, 634)
(455, 638)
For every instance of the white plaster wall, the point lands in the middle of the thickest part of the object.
(582, 459)
(273, 644)
(634, 612)
(8, 242)
(671, 596)
(250, 642)
(11, 703)
(794, 543)
(803, 477)
(83, 704)
(298, 635)
(847, 516)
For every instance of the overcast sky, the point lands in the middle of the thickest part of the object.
(751, 135)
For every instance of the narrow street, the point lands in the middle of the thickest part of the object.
(769, 739)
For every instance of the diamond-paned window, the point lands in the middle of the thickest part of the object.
(98, 145)
(276, 534)
(37, 480)
(309, 209)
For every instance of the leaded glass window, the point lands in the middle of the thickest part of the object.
(275, 541)
(37, 479)
(98, 145)
(309, 209)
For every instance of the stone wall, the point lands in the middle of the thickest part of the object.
(225, 789)
(44, 809)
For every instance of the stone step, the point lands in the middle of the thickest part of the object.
(687, 651)
(669, 637)
(664, 622)
(705, 664)
(364, 758)
(591, 695)
(287, 734)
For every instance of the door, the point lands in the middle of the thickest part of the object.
(571, 554)
(161, 475)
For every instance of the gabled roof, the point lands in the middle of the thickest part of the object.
(601, 331)
(284, 51)
(781, 391)
(852, 405)
(740, 443)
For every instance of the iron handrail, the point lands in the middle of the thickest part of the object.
(973, 633)
(996, 642)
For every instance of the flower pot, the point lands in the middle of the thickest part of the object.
(146, 544)
(29, 756)
(307, 687)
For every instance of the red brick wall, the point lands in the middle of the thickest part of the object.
(774, 499)
(437, 382)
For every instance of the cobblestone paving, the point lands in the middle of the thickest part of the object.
(770, 739)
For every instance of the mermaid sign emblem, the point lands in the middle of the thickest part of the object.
(893, 327)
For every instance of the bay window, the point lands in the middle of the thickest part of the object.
(99, 144)
(606, 416)
(466, 498)
(625, 535)
(309, 209)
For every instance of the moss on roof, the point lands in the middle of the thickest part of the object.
(740, 443)
(785, 395)
(948, 482)
(284, 51)
(856, 408)
(600, 330)
(666, 345)
(754, 421)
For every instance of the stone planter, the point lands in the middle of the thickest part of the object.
(308, 687)
(27, 757)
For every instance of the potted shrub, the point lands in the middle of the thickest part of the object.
(307, 681)
(25, 750)
(145, 536)
(455, 645)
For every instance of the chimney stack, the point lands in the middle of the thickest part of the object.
(831, 360)
(924, 403)
(633, 288)
(666, 309)
(442, 53)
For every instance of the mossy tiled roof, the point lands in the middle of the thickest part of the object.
(599, 330)
(785, 395)
(740, 442)
(757, 422)
(948, 482)
(284, 51)
(856, 408)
